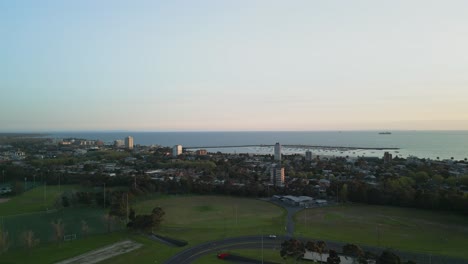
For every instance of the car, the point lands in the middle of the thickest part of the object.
(272, 236)
(222, 255)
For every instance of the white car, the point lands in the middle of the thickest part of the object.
(272, 236)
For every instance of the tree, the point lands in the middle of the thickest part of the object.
(321, 248)
(343, 193)
(292, 248)
(421, 177)
(352, 250)
(355, 251)
(311, 246)
(333, 257)
(146, 223)
(118, 207)
(28, 239)
(4, 241)
(131, 215)
(388, 257)
(18, 188)
(157, 215)
(84, 228)
(58, 229)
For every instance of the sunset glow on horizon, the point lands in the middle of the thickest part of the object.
(233, 65)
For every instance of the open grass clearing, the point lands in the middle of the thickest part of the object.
(202, 218)
(195, 219)
(406, 229)
(54, 252)
(34, 200)
(187, 218)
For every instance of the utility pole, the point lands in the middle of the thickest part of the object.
(127, 209)
(25, 184)
(262, 247)
(236, 215)
(104, 195)
(45, 193)
(337, 193)
(3, 174)
(305, 218)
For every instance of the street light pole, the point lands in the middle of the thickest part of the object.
(236, 215)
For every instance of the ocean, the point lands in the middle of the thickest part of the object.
(422, 144)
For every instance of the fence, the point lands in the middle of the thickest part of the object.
(63, 225)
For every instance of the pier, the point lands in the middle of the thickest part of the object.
(296, 146)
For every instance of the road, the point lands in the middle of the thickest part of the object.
(213, 247)
(257, 242)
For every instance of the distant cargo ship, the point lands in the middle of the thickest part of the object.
(385, 133)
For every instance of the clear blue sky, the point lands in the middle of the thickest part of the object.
(233, 65)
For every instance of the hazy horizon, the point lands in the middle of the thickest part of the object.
(233, 66)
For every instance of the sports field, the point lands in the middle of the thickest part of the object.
(27, 212)
(34, 200)
(400, 228)
(191, 218)
(54, 252)
(202, 218)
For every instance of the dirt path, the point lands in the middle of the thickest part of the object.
(101, 254)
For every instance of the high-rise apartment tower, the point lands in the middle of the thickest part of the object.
(278, 151)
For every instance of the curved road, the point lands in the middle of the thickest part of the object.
(248, 242)
(257, 242)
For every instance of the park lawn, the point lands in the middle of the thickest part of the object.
(198, 219)
(423, 231)
(71, 218)
(33, 200)
(53, 252)
(195, 219)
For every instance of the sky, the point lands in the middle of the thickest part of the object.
(211, 65)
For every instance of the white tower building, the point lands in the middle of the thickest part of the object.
(176, 151)
(129, 142)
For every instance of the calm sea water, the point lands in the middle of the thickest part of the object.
(423, 144)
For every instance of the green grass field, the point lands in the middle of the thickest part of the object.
(191, 218)
(198, 219)
(26, 212)
(400, 228)
(34, 200)
(53, 252)
(203, 218)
